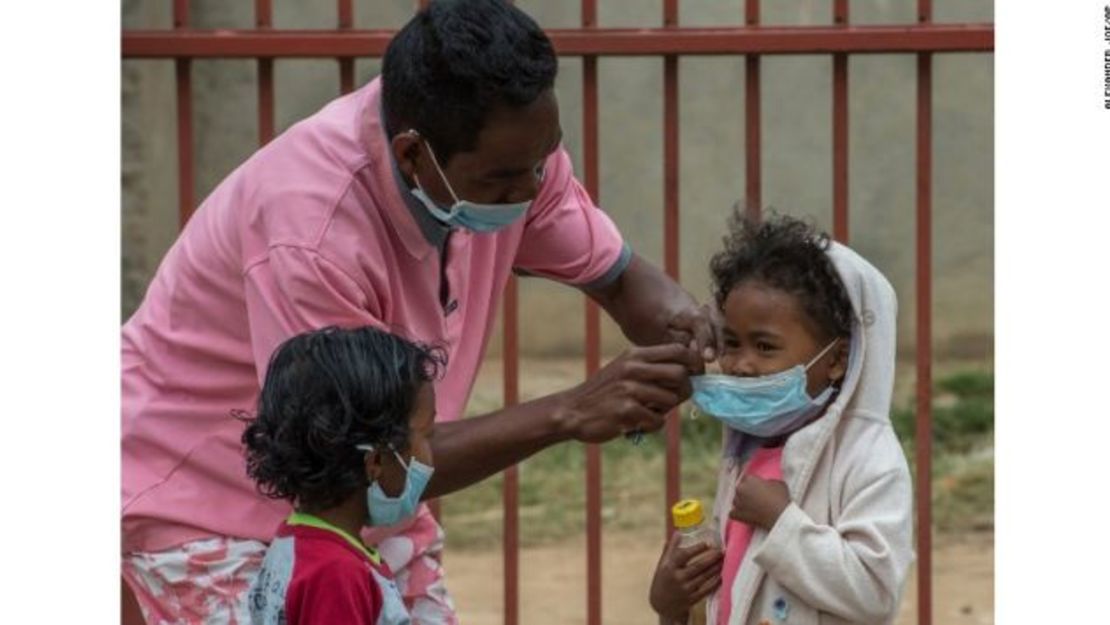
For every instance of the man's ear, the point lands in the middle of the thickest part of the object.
(406, 151)
(839, 367)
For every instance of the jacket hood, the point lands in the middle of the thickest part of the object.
(869, 382)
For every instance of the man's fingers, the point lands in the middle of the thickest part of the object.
(667, 352)
(717, 326)
(705, 336)
(702, 327)
(653, 397)
(642, 418)
(651, 422)
(671, 376)
(679, 335)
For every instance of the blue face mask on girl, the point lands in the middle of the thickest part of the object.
(765, 406)
(470, 215)
(386, 510)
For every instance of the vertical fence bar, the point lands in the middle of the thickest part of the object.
(924, 429)
(753, 177)
(511, 490)
(510, 495)
(593, 328)
(670, 240)
(510, 353)
(183, 71)
(840, 131)
(263, 18)
(346, 65)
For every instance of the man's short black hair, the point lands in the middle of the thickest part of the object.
(786, 254)
(455, 62)
(326, 392)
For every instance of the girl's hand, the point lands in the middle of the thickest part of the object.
(759, 502)
(683, 577)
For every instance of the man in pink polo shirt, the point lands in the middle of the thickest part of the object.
(405, 206)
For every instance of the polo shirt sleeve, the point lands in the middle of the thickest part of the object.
(294, 290)
(566, 236)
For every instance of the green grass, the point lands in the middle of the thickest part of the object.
(963, 450)
(552, 491)
(963, 413)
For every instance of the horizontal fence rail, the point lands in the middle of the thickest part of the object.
(574, 42)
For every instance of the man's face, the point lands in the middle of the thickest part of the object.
(507, 164)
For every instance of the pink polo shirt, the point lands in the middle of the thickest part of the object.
(312, 230)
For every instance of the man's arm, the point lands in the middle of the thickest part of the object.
(651, 308)
(469, 450)
(567, 238)
(633, 392)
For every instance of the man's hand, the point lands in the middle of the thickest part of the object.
(683, 577)
(652, 309)
(759, 502)
(700, 327)
(633, 392)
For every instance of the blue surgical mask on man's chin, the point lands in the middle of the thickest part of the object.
(471, 216)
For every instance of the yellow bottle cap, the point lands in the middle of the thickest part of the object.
(687, 513)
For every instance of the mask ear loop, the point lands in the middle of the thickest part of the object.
(397, 455)
(821, 355)
(369, 449)
(435, 161)
(439, 169)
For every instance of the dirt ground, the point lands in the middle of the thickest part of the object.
(553, 584)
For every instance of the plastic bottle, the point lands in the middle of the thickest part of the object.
(689, 522)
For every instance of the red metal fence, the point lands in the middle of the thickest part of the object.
(839, 40)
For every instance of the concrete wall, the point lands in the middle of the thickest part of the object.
(797, 143)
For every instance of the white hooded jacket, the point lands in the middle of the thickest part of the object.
(841, 550)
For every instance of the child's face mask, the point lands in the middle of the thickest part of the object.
(386, 510)
(764, 406)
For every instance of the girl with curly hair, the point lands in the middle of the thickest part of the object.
(341, 433)
(814, 502)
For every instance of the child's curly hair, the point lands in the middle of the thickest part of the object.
(326, 392)
(788, 254)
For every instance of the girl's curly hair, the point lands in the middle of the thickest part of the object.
(788, 254)
(325, 392)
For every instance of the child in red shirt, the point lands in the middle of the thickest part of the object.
(341, 433)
